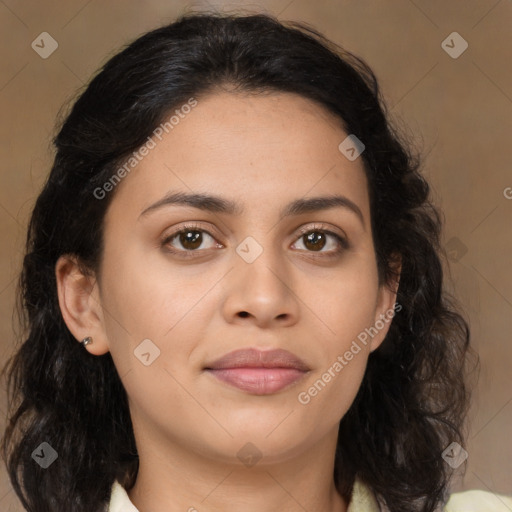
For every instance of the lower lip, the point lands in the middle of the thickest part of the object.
(258, 381)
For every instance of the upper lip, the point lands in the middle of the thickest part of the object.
(254, 358)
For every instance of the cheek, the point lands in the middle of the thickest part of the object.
(346, 303)
(145, 299)
(329, 396)
(331, 389)
(347, 311)
(148, 302)
(151, 333)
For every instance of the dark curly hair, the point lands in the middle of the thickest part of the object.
(414, 397)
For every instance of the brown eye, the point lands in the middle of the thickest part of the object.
(190, 239)
(315, 241)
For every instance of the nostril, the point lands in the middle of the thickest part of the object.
(243, 314)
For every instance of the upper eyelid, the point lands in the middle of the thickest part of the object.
(320, 227)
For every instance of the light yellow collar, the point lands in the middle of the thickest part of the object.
(362, 499)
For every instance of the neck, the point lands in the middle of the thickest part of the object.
(177, 480)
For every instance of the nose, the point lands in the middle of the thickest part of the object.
(261, 292)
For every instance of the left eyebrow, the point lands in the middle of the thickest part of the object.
(217, 204)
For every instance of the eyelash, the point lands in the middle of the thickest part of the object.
(187, 253)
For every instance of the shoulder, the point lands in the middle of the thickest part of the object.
(478, 501)
(363, 500)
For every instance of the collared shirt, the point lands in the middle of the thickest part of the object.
(363, 500)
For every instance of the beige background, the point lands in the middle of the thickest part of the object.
(460, 111)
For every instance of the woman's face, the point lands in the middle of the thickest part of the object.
(242, 279)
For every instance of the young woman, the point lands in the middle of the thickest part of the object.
(234, 292)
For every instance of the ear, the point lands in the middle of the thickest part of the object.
(386, 305)
(80, 303)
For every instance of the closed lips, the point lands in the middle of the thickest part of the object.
(258, 372)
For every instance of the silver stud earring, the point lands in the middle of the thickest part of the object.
(86, 341)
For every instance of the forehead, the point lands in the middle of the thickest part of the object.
(269, 149)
